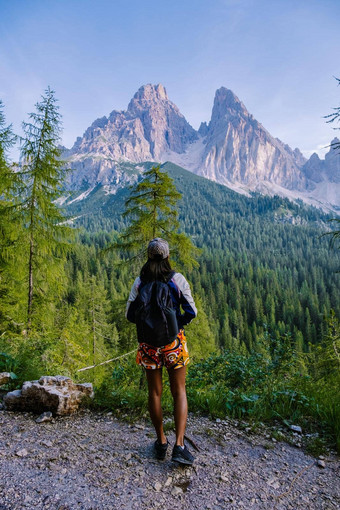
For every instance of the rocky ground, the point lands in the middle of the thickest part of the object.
(95, 461)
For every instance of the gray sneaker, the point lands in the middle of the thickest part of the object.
(182, 455)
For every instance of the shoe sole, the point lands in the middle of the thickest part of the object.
(180, 460)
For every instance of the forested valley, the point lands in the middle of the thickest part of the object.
(265, 344)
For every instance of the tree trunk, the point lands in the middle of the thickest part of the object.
(30, 285)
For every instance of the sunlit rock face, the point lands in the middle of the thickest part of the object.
(239, 149)
(151, 125)
(165, 128)
(233, 149)
(332, 161)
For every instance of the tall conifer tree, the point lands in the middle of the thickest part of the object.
(9, 225)
(44, 173)
(151, 207)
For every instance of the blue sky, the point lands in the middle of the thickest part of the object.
(279, 57)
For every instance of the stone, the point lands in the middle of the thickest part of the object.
(47, 416)
(168, 481)
(273, 482)
(21, 453)
(57, 394)
(296, 428)
(157, 486)
(139, 426)
(47, 443)
(321, 463)
(176, 490)
(4, 377)
(224, 477)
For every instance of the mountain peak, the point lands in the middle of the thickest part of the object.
(227, 103)
(149, 93)
(226, 98)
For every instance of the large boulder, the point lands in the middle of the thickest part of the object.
(58, 394)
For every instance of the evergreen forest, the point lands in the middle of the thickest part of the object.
(265, 343)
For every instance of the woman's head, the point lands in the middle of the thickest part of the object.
(158, 249)
(157, 266)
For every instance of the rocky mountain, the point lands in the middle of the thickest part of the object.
(233, 149)
(151, 125)
(318, 170)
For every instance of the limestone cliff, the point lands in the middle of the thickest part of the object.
(233, 149)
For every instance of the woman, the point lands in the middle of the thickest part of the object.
(173, 356)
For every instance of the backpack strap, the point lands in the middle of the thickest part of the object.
(170, 276)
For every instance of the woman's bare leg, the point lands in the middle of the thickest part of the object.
(154, 378)
(177, 385)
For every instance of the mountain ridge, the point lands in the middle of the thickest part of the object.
(233, 149)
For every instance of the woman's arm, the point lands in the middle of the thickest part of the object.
(133, 295)
(186, 300)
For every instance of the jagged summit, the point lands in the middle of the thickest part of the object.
(233, 148)
(149, 93)
(226, 101)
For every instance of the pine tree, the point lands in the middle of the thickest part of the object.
(9, 229)
(151, 207)
(44, 173)
(334, 117)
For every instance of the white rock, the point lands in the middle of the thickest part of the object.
(47, 416)
(296, 428)
(168, 481)
(176, 490)
(57, 394)
(21, 453)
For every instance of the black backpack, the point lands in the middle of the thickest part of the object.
(154, 315)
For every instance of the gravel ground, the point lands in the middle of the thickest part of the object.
(95, 461)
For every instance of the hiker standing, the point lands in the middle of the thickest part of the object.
(154, 306)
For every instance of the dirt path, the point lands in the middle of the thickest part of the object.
(94, 461)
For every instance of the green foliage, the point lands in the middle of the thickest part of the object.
(277, 383)
(334, 117)
(255, 267)
(334, 234)
(24, 355)
(323, 363)
(201, 339)
(46, 235)
(9, 228)
(151, 208)
(262, 346)
(8, 364)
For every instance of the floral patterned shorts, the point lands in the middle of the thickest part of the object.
(173, 355)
